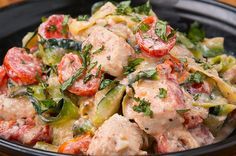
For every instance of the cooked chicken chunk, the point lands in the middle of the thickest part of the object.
(117, 136)
(164, 116)
(174, 140)
(114, 50)
(15, 108)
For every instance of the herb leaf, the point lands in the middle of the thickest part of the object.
(161, 29)
(143, 27)
(124, 8)
(82, 18)
(105, 83)
(162, 93)
(52, 28)
(99, 50)
(131, 65)
(72, 79)
(144, 107)
(196, 33)
(196, 77)
(143, 9)
(146, 74)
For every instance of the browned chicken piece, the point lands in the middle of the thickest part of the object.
(114, 50)
(118, 136)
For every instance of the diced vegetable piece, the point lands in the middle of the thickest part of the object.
(222, 62)
(83, 126)
(46, 146)
(30, 40)
(109, 105)
(228, 91)
(218, 109)
(38, 92)
(216, 45)
(214, 123)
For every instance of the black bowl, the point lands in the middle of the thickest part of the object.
(217, 19)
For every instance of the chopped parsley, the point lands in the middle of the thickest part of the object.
(160, 29)
(143, 9)
(196, 77)
(144, 107)
(99, 50)
(162, 93)
(43, 19)
(87, 78)
(146, 74)
(143, 27)
(83, 18)
(124, 8)
(105, 83)
(85, 55)
(196, 33)
(206, 66)
(215, 110)
(72, 79)
(196, 97)
(131, 65)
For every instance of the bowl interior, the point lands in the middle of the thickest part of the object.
(217, 20)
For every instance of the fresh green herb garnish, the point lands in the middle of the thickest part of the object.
(85, 55)
(144, 107)
(196, 77)
(146, 74)
(206, 66)
(87, 78)
(43, 19)
(162, 93)
(92, 65)
(131, 65)
(196, 33)
(72, 79)
(82, 18)
(196, 97)
(105, 83)
(143, 27)
(98, 71)
(161, 29)
(143, 9)
(99, 50)
(65, 20)
(124, 8)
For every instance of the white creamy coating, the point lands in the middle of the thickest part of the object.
(115, 53)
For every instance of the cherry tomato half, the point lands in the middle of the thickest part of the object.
(68, 66)
(53, 28)
(78, 145)
(21, 67)
(150, 42)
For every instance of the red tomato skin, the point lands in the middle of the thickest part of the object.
(78, 145)
(152, 39)
(55, 21)
(21, 67)
(79, 87)
(3, 75)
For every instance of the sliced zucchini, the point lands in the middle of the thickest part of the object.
(109, 105)
(46, 146)
(30, 40)
(217, 109)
